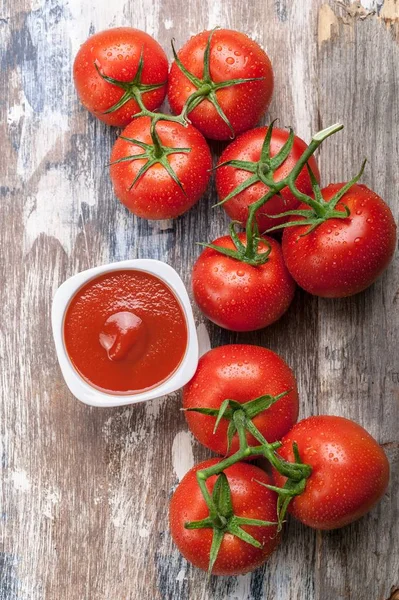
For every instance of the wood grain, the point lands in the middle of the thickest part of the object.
(84, 492)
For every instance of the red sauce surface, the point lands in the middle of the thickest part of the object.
(125, 331)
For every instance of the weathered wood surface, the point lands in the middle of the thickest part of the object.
(84, 492)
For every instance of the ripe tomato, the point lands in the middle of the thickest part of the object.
(240, 372)
(350, 471)
(248, 147)
(249, 499)
(239, 296)
(156, 193)
(233, 56)
(342, 257)
(115, 53)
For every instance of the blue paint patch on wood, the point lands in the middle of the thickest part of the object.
(281, 10)
(257, 580)
(168, 569)
(19, 49)
(8, 577)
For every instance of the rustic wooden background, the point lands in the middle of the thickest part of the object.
(84, 492)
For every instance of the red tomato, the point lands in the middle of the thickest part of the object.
(233, 55)
(116, 54)
(156, 195)
(239, 296)
(342, 257)
(350, 471)
(249, 499)
(248, 147)
(240, 372)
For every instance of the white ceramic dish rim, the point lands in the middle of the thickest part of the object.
(80, 388)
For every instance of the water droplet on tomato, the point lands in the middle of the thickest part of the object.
(219, 48)
(240, 273)
(369, 220)
(120, 56)
(357, 240)
(237, 53)
(230, 60)
(358, 212)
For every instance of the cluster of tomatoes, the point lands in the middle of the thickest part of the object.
(226, 514)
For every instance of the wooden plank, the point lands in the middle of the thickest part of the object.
(357, 337)
(84, 492)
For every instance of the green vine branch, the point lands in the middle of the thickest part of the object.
(221, 515)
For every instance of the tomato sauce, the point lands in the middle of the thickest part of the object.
(125, 331)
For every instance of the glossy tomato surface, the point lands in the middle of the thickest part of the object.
(350, 471)
(342, 257)
(116, 53)
(248, 147)
(155, 195)
(249, 499)
(233, 55)
(238, 296)
(240, 372)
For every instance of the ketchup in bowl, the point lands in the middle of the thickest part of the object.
(125, 331)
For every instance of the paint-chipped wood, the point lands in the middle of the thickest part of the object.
(84, 492)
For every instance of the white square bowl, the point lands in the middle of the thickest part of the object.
(79, 386)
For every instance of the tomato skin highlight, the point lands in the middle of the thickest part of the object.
(248, 147)
(117, 53)
(342, 257)
(240, 372)
(155, 195)
(233, 55)
(350, 471)
(238, 296)
(250, 500)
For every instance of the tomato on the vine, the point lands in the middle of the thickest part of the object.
(113, 66)
(250, 500)
(341, 256)
(242, 373)
(241, 296)
(225, 78)
(161, 179)
(243, 182)
(350, 471)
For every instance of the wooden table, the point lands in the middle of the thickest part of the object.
(84, 492)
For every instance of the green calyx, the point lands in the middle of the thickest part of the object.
(133, 90)
(250, 252)
(319, 210)
(292, 487)
(225, 521)
(155, 153)
(206, 88)
(228, 408)
(263, 169)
